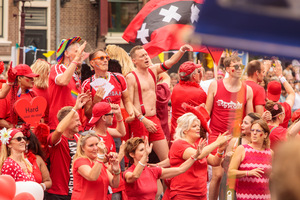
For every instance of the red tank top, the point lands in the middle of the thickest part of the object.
(228, 110)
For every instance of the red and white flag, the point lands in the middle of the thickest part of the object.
(160, 24)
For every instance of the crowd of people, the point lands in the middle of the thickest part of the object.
(214, 132)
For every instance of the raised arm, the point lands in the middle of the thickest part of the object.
(290, 99)
(66, 77)
(120, 130)
(174, 59)
(64, 123)
(174, 171)
(93, 173)
(130, 177)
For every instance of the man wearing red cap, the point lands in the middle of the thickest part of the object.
(188, 90)
(274, 91)
(142, 92)
(256, 74)
(64, 82)
(24, 82)
(63, 144)
(102, 118)
(228, 101)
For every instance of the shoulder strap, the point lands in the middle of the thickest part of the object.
(140, 93)
(153, 76)
(116, 78)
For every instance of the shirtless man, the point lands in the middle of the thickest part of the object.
(228, 100)
(146, 122)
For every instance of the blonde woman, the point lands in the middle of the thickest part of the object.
(41, 83)
(91, 178)
(12, 161)
(118, 53)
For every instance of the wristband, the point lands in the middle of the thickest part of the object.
(76, 63)
(193, 158)
(74, 110)
(117, 172)
(142, 118)
(100, 156)
(139, 115)
(282, 79)
(120, 120)
(141, 164)
(44, 186)
(181, 50)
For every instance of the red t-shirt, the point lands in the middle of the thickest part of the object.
(277, 135)
(61, 156)
(228, 110)
(44, 93)
(13, 169)
(145, 187)
(258, 94)
(192, 183)
(190, 93)
(288, 114)
(61, 96)
(114, 96)
(89, 190)
(109, 142)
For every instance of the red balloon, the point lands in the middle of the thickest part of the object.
(7, 187)
(24, 196)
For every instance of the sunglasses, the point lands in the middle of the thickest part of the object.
(102, 58)
(236, 67)
(111, 114)
(19, 139)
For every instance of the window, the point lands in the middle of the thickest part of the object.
(36, 16)
(122, 12)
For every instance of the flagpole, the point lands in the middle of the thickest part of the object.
(215, 65)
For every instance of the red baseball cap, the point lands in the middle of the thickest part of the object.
(187, 68)
(24, 70)
(99, 110)
(274, 90)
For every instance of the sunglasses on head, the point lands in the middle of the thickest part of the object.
(111, 114)
(102, 58)
(19, 139)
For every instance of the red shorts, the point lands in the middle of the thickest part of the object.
(139, 130)
(211, 139)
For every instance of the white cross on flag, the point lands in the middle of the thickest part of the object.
(159, 23)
